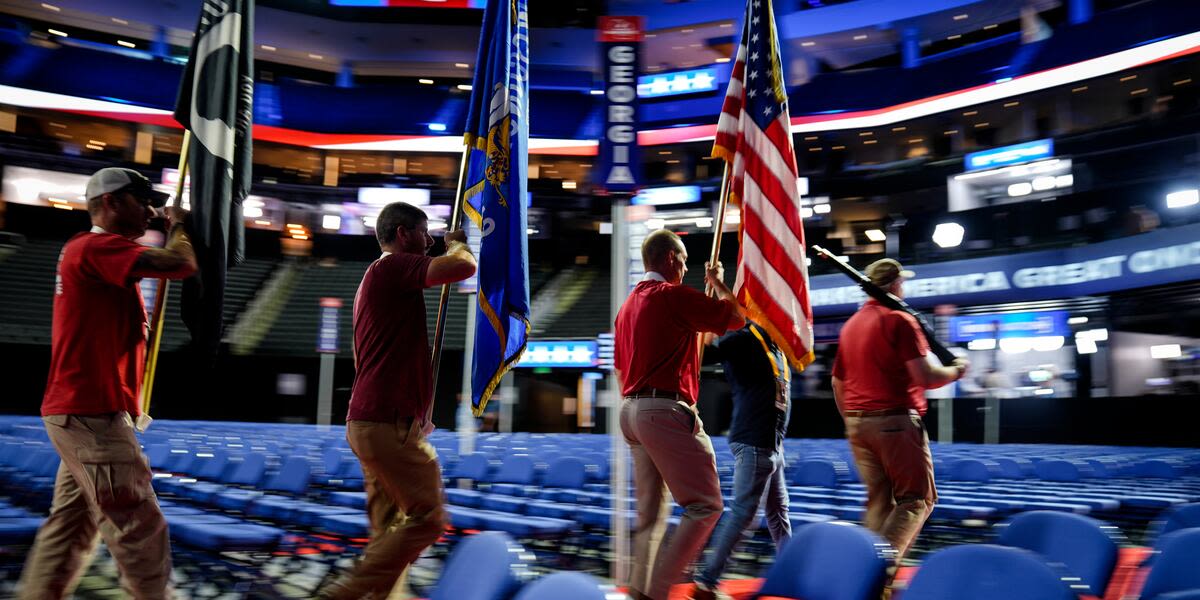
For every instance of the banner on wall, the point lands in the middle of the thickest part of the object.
(620, 41)
(1156, 258)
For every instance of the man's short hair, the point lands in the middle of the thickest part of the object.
(658, 246)
(396, 214)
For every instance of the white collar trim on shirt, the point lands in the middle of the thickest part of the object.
(654, 276)
(97, 229)
(385, 255)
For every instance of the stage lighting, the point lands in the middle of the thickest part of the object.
(948, 235)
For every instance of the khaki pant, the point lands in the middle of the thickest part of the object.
(669, 446)
(893, 459)
(102, 490)
(404, 505)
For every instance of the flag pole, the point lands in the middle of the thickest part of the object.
(718, 231)
(158, 320)
(439, 331)
(719, 221)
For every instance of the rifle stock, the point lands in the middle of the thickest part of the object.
(940, 351)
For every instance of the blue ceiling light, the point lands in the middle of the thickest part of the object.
(437, 126)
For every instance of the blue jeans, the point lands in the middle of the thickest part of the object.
(757, 473)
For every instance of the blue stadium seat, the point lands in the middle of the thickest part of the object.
(219, 533)
(1012, 468)
(1181, 517)
(485, 566)
(19, 530)
(1082, 545)
(1159, 469)
(557, 586)
(970, 470)
(1175, 573)
(515, 474)
(818, 473)
(474, 466)
(803, 569)
(1057, 470)
(568, 472)
(293, 478)
(986, 572)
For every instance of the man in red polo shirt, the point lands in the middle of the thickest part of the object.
(879, 382)
(97, 349)
(393, 389)
(656, 355)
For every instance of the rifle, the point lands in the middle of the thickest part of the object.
(944, 355)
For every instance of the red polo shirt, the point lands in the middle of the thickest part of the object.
(392, 375)
(98, 335)
(655, 344)
(872, 349)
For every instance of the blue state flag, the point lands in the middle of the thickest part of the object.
(497, 134)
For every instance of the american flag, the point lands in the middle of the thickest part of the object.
(754, 135)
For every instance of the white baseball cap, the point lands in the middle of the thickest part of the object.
(114, 179)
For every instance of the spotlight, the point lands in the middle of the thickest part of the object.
(948, 235)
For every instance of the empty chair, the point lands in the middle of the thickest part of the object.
(1175, 574)
(568, 473)
(1159, 469)
(1011, 468)
(1181, 517)
(1057, 470)
(818, 473)
(559, 586)
(970, 470)
(986, 572)
(485, 566)
(804, 568)
(516, 470)
(472, 466)
(1080, 544)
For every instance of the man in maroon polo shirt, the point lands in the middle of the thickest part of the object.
(393, 389)
(97, 352)
(656, 355)
(879, 382)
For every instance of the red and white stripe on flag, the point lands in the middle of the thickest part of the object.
(754, 136)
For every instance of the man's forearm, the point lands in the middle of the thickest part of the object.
(180, 243)
(942, 376)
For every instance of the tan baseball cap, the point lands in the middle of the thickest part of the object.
(887, 270)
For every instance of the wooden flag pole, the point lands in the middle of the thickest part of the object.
(719, 221)
(158, 320)
(718, 231)
(439, 331)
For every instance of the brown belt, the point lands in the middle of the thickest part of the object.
(888, 412)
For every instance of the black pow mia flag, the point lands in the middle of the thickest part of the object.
(216, 97)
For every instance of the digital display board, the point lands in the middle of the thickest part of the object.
(1010, 325)
(411, 3)
(1010, 155)
(676, 83)
(561, 353)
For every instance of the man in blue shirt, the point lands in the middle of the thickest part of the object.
(758, 372)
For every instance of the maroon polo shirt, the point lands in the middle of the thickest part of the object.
(655, 344)
(872, 349)
(392, 376)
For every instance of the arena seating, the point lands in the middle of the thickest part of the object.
(270, 488)
(27, 276)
